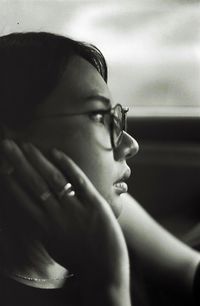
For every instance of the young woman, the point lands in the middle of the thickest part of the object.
(63, 171)
(54, 95)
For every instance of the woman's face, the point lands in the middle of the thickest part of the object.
(84, 137)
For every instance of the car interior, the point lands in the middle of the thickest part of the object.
(165, 181)
(153, 56)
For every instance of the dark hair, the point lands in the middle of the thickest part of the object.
(31, 65)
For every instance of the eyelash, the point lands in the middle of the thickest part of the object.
(93, 116)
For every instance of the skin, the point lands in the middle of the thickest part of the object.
(103, 166)
(169, 263)
(86, 139)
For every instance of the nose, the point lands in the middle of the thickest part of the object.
(127, 148)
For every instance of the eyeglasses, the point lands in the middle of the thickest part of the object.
(117, 121)
(118, 124)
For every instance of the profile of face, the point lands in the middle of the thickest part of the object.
(85, 135)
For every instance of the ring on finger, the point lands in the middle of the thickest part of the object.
(67, 190)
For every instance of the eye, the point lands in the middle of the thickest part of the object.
(98, 116)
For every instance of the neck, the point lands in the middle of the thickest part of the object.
(32, 266)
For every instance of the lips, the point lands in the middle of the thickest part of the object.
(120, 185)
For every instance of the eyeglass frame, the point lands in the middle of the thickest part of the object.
(124, 111)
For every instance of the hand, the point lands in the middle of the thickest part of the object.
(80, 232)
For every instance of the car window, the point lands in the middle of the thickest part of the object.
(152, 47)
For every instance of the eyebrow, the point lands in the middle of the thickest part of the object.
(101, 98)
(91, 98)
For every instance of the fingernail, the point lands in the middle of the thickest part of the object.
(7, 144)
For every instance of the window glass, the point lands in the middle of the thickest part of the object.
(152, 47)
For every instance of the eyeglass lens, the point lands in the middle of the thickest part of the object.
(118, 125)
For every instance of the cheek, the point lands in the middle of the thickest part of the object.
(93, 159)
(89, 146)
(99, 166)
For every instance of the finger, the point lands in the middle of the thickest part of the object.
(50, 205)
(83, 186)
(5, 167)
(53, 176)
(47, 170)
(22, 198)
(34, 182)
(26, 173)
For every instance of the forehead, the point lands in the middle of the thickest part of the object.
(79, 82)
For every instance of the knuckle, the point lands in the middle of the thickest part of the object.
(81, 181)
(38, 183)
(57, 178)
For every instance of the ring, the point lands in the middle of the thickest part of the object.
(45, 195)
(67, 189)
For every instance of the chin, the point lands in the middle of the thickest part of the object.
(114, 199)
(116, 204)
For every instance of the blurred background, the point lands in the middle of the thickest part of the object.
(152, 47)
